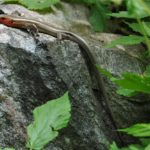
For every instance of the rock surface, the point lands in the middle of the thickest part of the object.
(32, 73)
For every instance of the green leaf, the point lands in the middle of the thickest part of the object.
(135, 147)
(113, 146)
(122, 14)
(38, 4)
(136, 27)
(138, 130)
(145, 141)
(48, 118)
(137, 8)
(35, 4)
(134, 82)
(98, 17)
(147, 147)
(146, 27)
(126, 40)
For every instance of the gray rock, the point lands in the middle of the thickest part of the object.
(31, 73)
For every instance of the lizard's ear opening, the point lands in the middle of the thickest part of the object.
(1, 12)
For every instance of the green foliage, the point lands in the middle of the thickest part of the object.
(35, 4)
(98, 17)
(138, 130)
(48, 119)
(113, 146)
(126, 40)
(126, 92)
(136, 27)
(130, 84)
(98, 9)
(98, 13)
(130, 147)
(135, 82)
(121, 90)
(136, 10)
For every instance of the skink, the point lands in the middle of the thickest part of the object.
(23, 23)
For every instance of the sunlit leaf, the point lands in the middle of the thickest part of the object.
(136, 8)
(122, 14)
(48, 119)
(134, 82)
(36, 4)
(114, 146)
(98, 17)
(126, 40)
(138, 130)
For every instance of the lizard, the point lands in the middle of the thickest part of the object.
(24, 23)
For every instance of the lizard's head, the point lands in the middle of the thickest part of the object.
(6, 21)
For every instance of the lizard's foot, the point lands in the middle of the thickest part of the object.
(33, 30)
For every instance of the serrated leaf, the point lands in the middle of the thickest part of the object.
(136, 27)
(138, 130)
(126, 40)
(146, 27)
(48, 119)
(134, 82)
